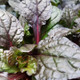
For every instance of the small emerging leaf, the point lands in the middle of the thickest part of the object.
(26, 30)
(55, 2)
(14, 61)
(31, 66)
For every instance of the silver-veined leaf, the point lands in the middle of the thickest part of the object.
(31, 9)
(60, 57)
(36, 12)
(11, 31)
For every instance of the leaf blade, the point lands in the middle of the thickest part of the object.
(60, 57)
(11, 30)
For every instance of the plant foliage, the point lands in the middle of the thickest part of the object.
(50, 54)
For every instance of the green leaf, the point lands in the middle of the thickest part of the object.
(26, 30)
(7, 68)
(55, 18)
(8, 60)
(55, 2)
(31, 67)
(33, 78)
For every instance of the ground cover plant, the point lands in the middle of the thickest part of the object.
(39, 40)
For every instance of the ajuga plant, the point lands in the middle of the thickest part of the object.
(50, 55)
